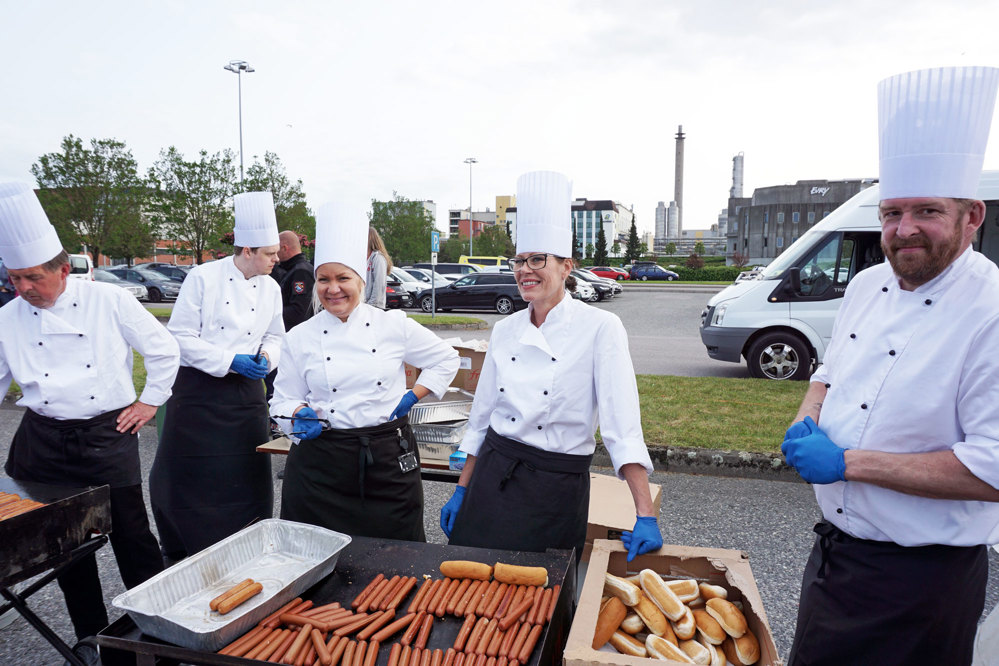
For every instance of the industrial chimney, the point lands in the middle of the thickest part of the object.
(737, 171)
(678, 183)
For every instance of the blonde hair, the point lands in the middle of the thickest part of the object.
(375, 244)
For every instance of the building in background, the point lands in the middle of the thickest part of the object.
(463, 224)
(587, 218)
(762, 226)
(502, 203)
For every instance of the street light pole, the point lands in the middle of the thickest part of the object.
(471, 222)
(237, 67)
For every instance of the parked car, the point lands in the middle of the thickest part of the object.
(610, 272)
(175, 273)
(81, 267)
(601, 290)
(478, 291)
(159, 287)
(424, 276)
(616, 288)
(136, 290)
(407, 283)
(649, 271)
(396, 296)
(584, 292)
(453, 270)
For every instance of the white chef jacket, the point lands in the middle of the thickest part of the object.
(74, 360)
(219, 313)
(545, 386)
(913, 372)
(353, 372)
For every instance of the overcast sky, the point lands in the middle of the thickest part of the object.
(363, 99)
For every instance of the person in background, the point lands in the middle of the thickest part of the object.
(298, 278)
(377, 270)
(208, 481)
(552, 373)
(898, 430)
(7, 291)
(346, 366)
(68, 344)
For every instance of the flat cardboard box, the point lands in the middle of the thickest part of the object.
(470, 366)
(612, 509)
(728, 568)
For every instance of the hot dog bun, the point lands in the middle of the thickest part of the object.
(708, 627)
(466, 569)
(651, 616)
(709, 591)
(697, 652)
(609, 619)
(660, 648)
(630, 645)
(632, 624)
(685, 627)
(718, 657)
(686, 589)
(728, 616)
(512, 574)
(625, 590)
(661, 595)
(742, 651)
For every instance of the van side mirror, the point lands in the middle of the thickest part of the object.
(794, 279)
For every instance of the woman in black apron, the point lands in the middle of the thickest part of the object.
(342, 377)
(550, 371)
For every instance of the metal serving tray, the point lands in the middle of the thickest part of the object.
(456, 404)
(286, 558)
(440, 433)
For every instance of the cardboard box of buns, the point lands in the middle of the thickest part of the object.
(678, 605)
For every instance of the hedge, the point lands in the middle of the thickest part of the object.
(708, 273)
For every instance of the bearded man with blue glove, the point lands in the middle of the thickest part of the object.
(898, 429)
(208, 481)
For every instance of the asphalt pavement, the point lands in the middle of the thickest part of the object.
(770, 520)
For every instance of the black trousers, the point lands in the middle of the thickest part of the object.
(137, 554)
(880, 604)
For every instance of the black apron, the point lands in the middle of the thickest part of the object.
(74, 452)
(350, 480)
(524, 498)
(208, 481)
(880, 604)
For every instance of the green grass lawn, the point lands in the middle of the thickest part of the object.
(440, 319)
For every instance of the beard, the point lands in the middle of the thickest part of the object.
(919, 268)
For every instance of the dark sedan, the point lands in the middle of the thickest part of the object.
(478, 291)
(159, 287)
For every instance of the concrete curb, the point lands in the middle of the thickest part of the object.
(713, 462)
(457, 327)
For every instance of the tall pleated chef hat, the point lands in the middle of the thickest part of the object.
(256, 223)
(933, 126)
(544, 213)
(27, 238)
(342, 237)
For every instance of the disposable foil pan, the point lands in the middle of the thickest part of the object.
(456, 404)
(450, 432)
(286, 558)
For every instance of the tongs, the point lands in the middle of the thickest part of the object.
(325, 423)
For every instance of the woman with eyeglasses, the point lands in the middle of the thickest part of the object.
(355, 468)
(553, 372)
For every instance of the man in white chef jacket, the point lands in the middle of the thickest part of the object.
(68, 344)
(899, 429)
(208, 481)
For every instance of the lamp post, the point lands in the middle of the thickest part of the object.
(471, 222)
(237, 67)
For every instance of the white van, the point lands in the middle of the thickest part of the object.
(81, 267)
(781, 322)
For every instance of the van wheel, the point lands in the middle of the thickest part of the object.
(779, 356)
(154, 295)
(504, 305)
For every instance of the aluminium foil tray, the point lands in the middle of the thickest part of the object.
(450, 432)
(456, 404)
(287, 558)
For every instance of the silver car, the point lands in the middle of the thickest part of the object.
(136, 290)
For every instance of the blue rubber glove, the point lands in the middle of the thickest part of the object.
(814, 455)
(643, 538)
(799, 429)
(450, 510)
(246, 366)
(404, 406)
(306, 429)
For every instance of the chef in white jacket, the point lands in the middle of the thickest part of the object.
(207, 481)
(68, 344)
(553, 372)
(342, 376)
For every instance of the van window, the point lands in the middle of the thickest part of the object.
(838, 258)
(78, 265)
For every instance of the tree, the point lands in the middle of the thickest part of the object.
(589, 250)
(634, 248)
(493, 242)
(129, 241)
(616, 248)
(192, 200)
(739, 259)
(90, 194)
(452, 249)
(600, 254)
(699, 248)
(670, 248)
(289, 199)
(575, 244)
(695, 262)
(405, 227)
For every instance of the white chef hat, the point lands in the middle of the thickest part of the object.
(933, 126)
(544, 213)
(342, 237)
(256, 223)
(27, 238)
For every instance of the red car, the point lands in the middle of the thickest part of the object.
(612, 272)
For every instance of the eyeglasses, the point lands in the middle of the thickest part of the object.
(534, 262)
